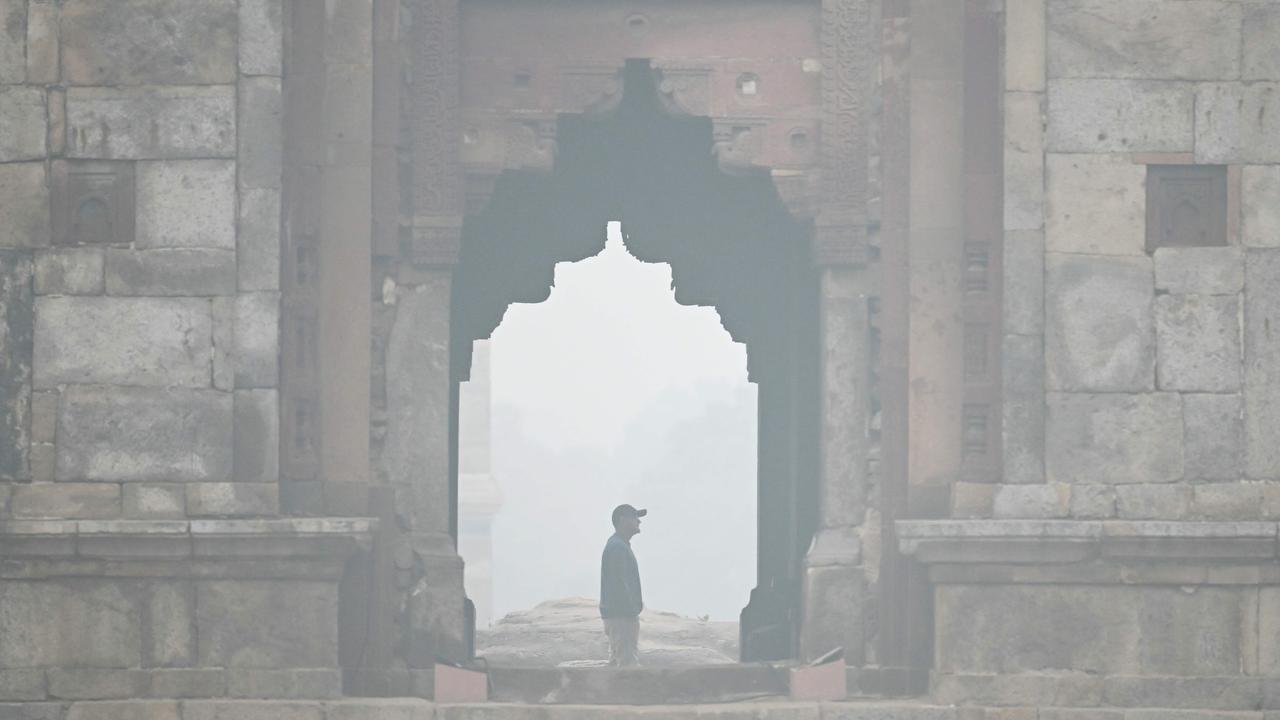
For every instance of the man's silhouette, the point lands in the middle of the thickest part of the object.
(620, 599)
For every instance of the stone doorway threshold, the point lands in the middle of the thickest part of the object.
(676, 685)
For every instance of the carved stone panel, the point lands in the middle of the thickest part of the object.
(93, 203)
(1186, 206)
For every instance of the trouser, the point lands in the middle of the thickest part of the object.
(624, 635)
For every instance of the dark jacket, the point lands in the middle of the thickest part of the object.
(619, 580)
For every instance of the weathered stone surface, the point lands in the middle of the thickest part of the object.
(1099, 329)
(1238, 123)
(170, 640)
(261, 37)
(144, 435)
(1032, 501)
(187, 203)
(96, 683)
(150, 122)
(1114, 438)
(24, 195)
(178, 271)
(32, 710)
(1093, 501)
(1024, 67)
(1198, 343)
(188, 683)
(972, 500)
(1152, 502)
(251, 710)
(1261, 51)
(1024, 282)
(1023, 409)
(256, 339)
(1199, 270)
(283, 684)
(1096, 205)
(128, 341)
(13, 41)
(154, 501)
(257, 436)
(149, 42)
(23, 123)
(21, 684)
(232, 499)
(1099, 116)
(124, 710)
(295, 624)
(258, 240)
(16, 303)
(65, 500)
(1262, 364)
(1260, 198)
(261, 132)
(1111, 629)
(1228, 501)
(1214, 438)
(69, 623)
(1024, 161)
(1152, 39)
(70, 271)
(42, 42)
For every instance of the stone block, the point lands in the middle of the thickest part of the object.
(257, 436)
(1262, 364)
(1023, 161)
(295, 624)
(1234, 693)
(391, 709)
(21, 684)
(1238, 123)
(155, 501)
(32, 711)
(1121, 116)
(16, 304)
(127, 341)
(43, 458)
(13, 42)
(261, 133)
(251, 710)
(70, 271)
(1032, 501)
(1213, 436)
(23, 123)
(1114, 438)
(1261, 51)
(1102, 629)
(96, 683)
(1228, 501)
(178, 271)
(1152, 502)
(65, 500)
(124, 710)
(170, 638)
(135, 434)
(231, 499)
(255, 347)
(1024, 65)
(24, 195)
(140, 123)
(188, 683)
(69, 623)
(123, 44)
(1199, 270)
(1099, 327)
(284, 684)
(258, 240)
(972, 500)
(1260, 200)
(261, 37)
(1150, 39)
(42, 42)
(1198, 343)
(1024, 282)
(1096, 205)
(187, 203)
(1093, 501)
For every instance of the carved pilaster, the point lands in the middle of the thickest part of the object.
(438, 184)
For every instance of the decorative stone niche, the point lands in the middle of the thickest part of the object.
(93, 203)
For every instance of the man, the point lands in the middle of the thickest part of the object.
(620, 600)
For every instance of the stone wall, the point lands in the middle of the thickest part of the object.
(1138, 384)
(140, 177)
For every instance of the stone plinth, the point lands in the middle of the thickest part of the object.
(126, 609)
(1102, 613)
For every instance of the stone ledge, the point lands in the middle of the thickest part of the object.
(1074, 541)
(174, 539)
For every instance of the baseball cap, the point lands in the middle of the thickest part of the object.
(625, 509)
